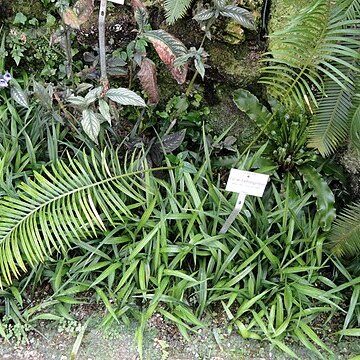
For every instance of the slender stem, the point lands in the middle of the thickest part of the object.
(102, 50)
(68, 51)
(191, 83)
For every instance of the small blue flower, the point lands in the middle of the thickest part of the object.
(7, 76)
(3, 83)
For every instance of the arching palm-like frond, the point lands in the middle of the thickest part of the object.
(355, 117)
(60, 206)
(331, 123)
(313, 45)
(345, 236)
(349, 8)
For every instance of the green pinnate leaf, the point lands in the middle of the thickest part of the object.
(175, 9)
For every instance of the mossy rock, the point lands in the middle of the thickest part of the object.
(30, 8)
(282, 11)
(350, 159)
(234, 64)
(225, 114)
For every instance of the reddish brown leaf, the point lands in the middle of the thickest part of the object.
(83, 9)
(147, 77)
(168, 57)
(71, 19)
(137, 4)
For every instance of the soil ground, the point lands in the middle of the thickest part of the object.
(162, 341)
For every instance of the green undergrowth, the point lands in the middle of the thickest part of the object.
(142, 243)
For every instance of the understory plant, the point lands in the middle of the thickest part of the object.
(313, 66)
(104, 226)
(143, 244)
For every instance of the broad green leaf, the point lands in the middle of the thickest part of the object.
(240, 15)
(43, 95)
(251, 106)
(204, 15)
(325, 199)
(105, 110)
(90, 124)
(125, 96)
(76, 100)
(19, 95)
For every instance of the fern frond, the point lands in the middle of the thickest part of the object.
(345, 236)
(176, 9)
(313, 45)
(65, 204)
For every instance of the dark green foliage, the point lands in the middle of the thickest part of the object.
(310, 49)
(345, 236)
(176, 9)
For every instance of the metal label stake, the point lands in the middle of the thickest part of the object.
(244, 183)
(238, 206)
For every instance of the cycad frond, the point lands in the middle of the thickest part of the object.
(60, 206)
(355, 116)
(310, 47)
(345, 236)
(350, 8)
(176, 9)
(331, 124)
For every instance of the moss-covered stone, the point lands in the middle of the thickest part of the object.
(235, 64)
(30, 8)
(282, 11)
(234, 33)
(350, 159)
(225, 114)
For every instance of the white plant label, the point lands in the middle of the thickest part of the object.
(244, 183)
(121, 2)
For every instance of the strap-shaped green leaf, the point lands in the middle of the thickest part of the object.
(325, 199)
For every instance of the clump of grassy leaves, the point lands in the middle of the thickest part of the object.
(165, 255)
